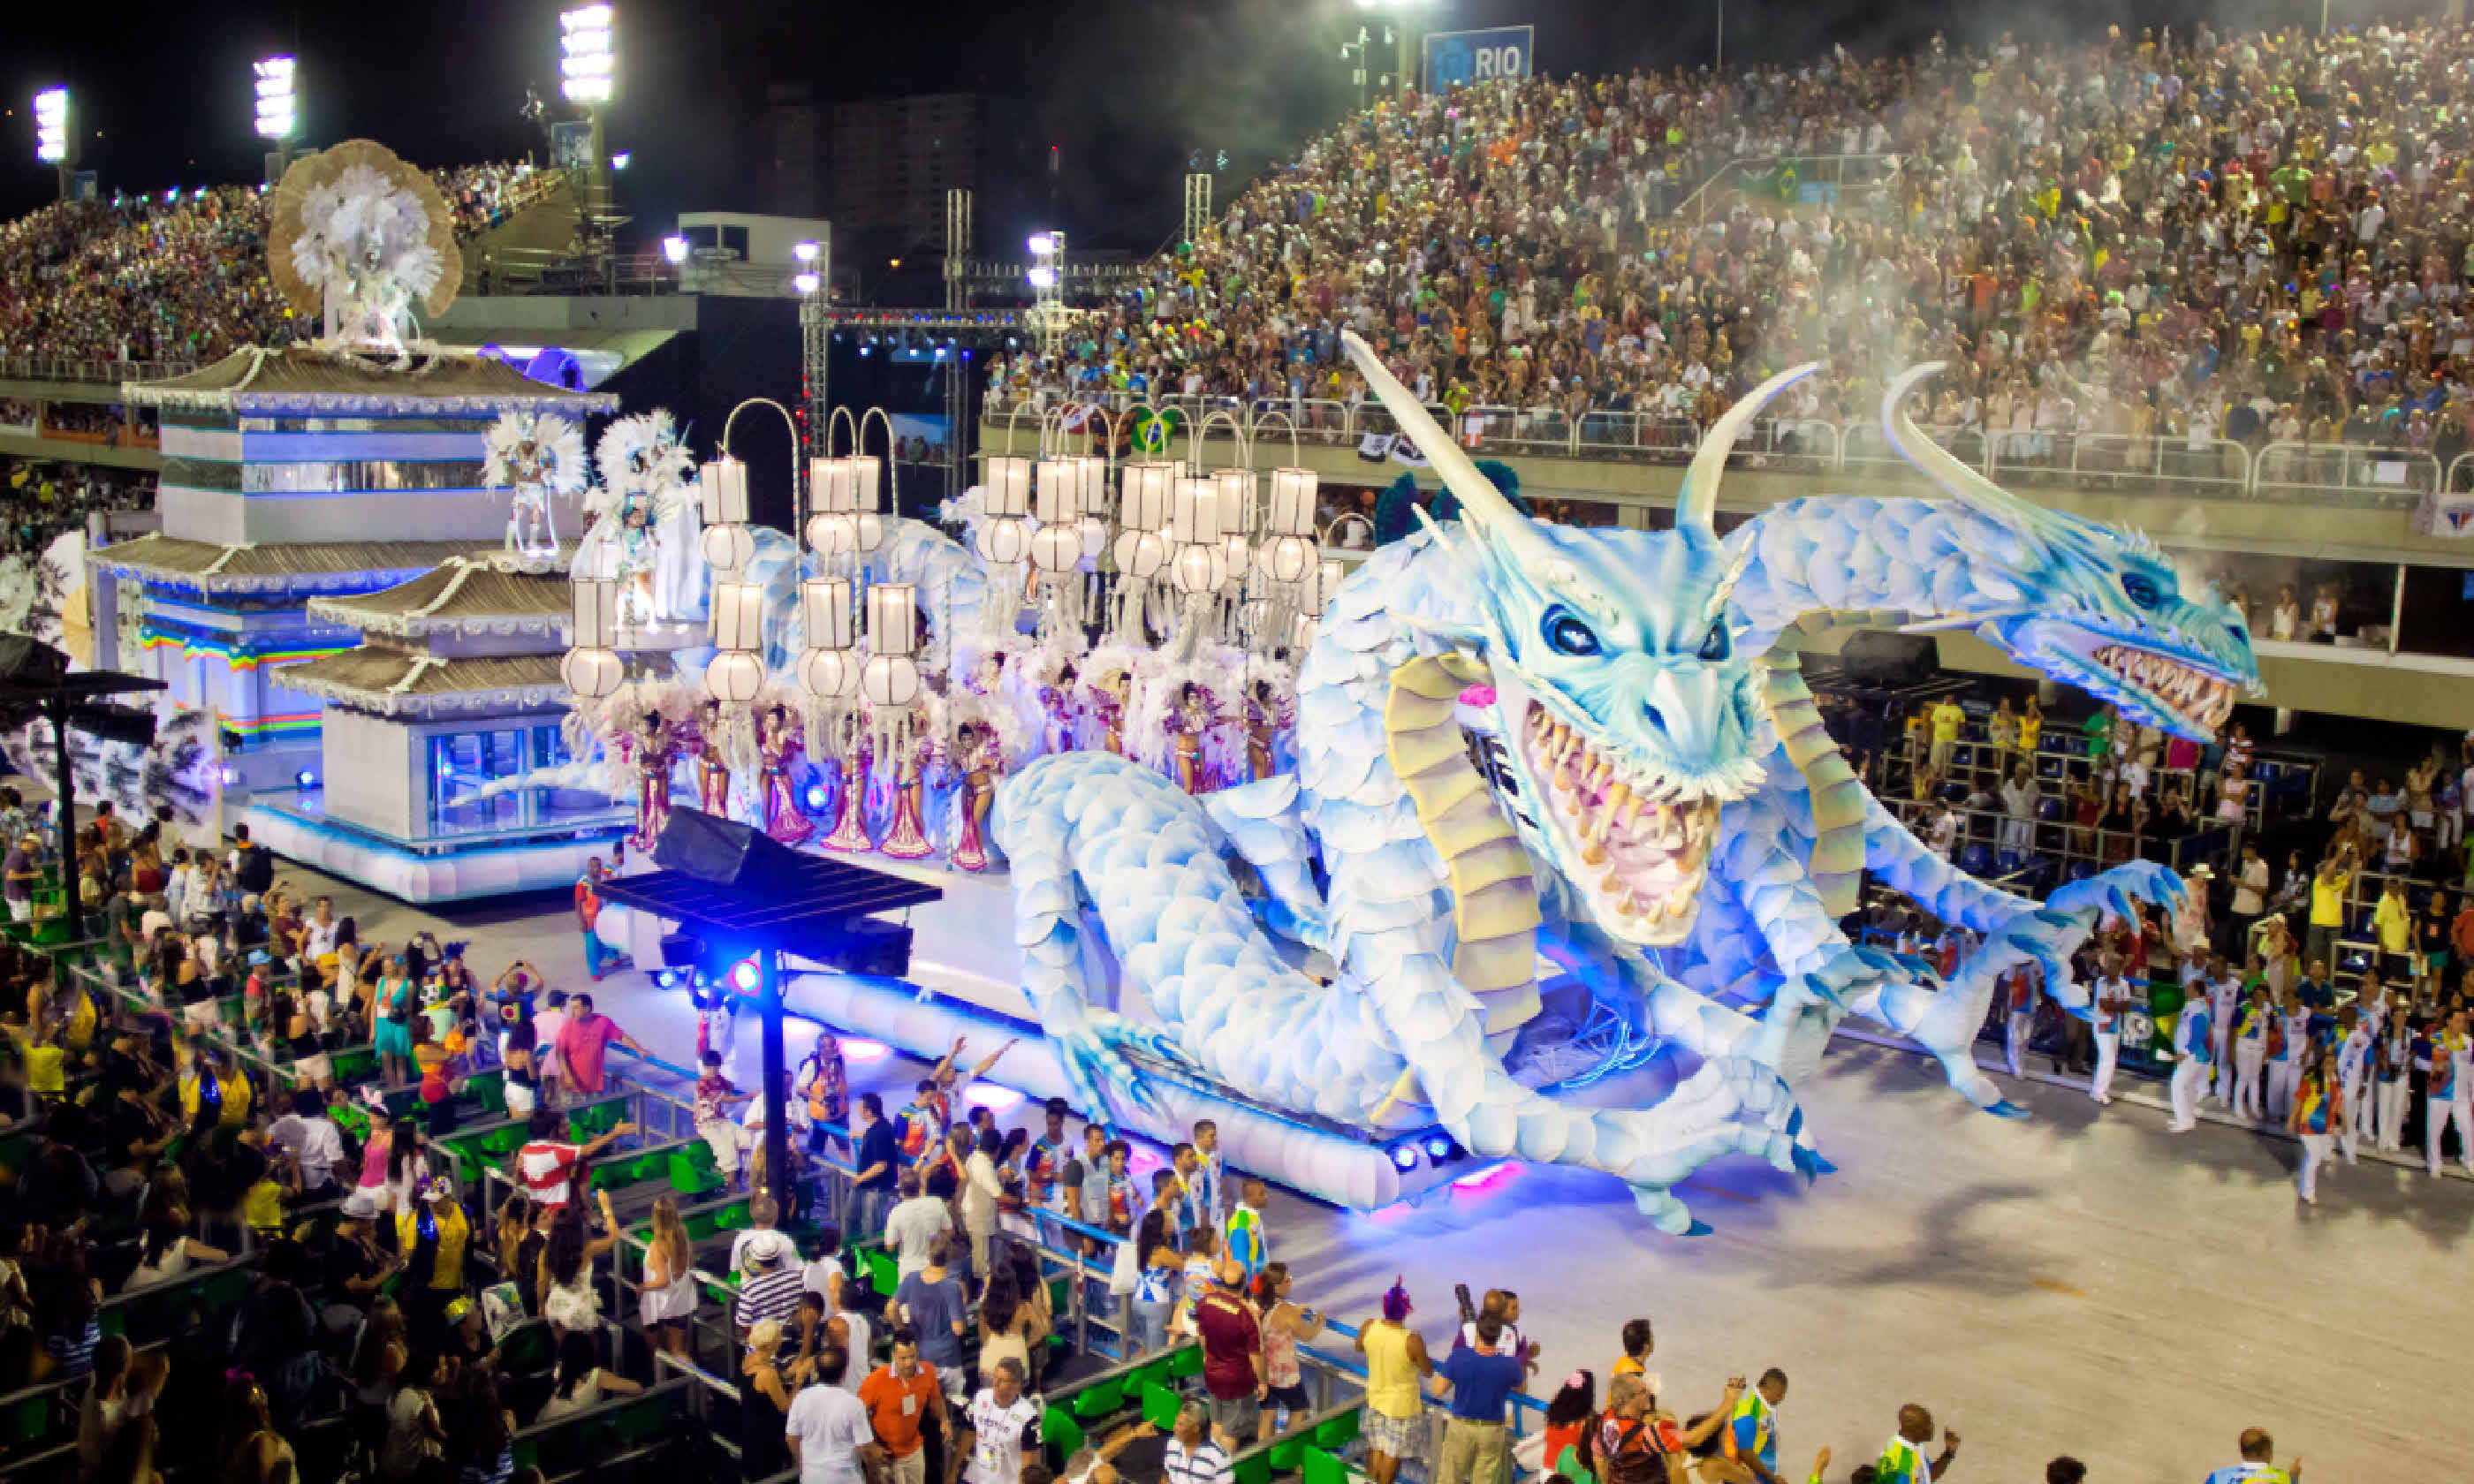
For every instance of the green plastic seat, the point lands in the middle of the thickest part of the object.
(1570, 1466)
(25, 1424)
(884, 1272)
(526, 1347)
(1100, 1399)
(1185, 1362)
(1334, 1432)
(1254, 1468)
(1322, 1468)
(1062, 1432)
(733, 1217)
(1288, 1452)
(528, 1452)
(590, 1122)
(490, 1090)
(1159, 1405)
(639, 1424)
(688, 1179)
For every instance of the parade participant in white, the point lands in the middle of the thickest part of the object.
(2251, 1053)
(2194, 1031)
(2397, 1083)
(2111, 997)
(2353, 1063)
(2447, 1095)
(2288, 1052)
(2224, 1000)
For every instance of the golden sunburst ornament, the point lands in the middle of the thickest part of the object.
(360, 237)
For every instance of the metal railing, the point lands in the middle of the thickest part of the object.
(61, 368)
(2164, 464)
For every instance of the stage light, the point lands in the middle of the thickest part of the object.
(1404, 1156)
(805, 283)
(587, 61)
(275, 97)
(1488, 1178)
(52, 125)
(618, 161)
(232, 774)
(1043, 277)
(865, 349)
(1443, 1149)
(992, 1096)
(674, 248)
(307, 777)
(805, 251)
(744, 975)
(666, 978)
(171, 193)
(1041, 243)
(858, 1051)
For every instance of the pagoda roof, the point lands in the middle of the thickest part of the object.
(472, 595)
(274, 566)
(304, 380)
(411, 683)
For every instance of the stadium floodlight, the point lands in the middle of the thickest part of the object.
(618, 161)
(805, 251)
(1042, 244)
(674, 248)
(805, 283)
(275, 97)
(1043, 276)
(587, 61)
(52, 126)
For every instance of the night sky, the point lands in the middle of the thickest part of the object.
(1127, 90)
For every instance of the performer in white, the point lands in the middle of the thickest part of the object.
(2108, 999)
(645, 521)
(2396, 1082)
(2194, 1037)
(542, 457)
(2353, 1062)
(2224, 998)
(2251, 1053)
(2290, 1055)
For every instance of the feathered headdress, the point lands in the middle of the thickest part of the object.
(355, 208)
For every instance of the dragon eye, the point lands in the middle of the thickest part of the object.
(1566, 635)
(2140, 590)
(1714, 644)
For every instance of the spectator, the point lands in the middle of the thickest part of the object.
(582, 1382)
(1194, 1453)
(872, 1185)
(765, 1408)
(2258, 1450)
(1482, 1380)
(1285, 1327)
(1903, 1461)
(901, 1396)
(1235, 1376)
(912, 1227)
(770, 1280)
(1394, 1422)
(932, 1304)
(549, 1166)
(999, 1428)
(584, 1042)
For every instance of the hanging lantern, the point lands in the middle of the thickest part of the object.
(1329, 587)
(826, 612)
(724, 487)
(1147, 492)
(1198, 569)
(892, 619)
(1095, 484)
(833, 484)
(1141, 553)
(1095, 538)
(1288, 559)
(1236, 500)
(1057, 548)
(1294, 493)
(596, 620)
(833, 533)
(828, 674)
(726, 549)
(1059, 491)
(738, 615)
(1007, 490)
(1196, 514)
(734, 676)
(1004, 541)
(592, 672)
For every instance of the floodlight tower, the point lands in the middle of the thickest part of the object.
(1397, 15)
(587, 64)
(55, 144)
(1048, 287)
(276, 109)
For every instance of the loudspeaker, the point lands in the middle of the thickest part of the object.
(872, 948)
(1889, 661)
(727, 853)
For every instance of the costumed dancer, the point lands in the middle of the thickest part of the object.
(784, 820)
(850, 791)
(1062, 707)
(1185, 723)
(978, 762)
(2318, 1111)
(1116, 697)
(638, 554)
(712, 764)
(2354, 1042)
(1264, 717)
(655, 752)
(2195, 1044)
(908, 838)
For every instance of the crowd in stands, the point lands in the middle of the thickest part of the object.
(40, 499)
(181, 276)
(2240, 236)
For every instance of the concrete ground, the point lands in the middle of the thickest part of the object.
(2078, 1281)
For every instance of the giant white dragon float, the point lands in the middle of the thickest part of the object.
(1313, 851)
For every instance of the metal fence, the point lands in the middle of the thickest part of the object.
(56, 368)
(2164, 464)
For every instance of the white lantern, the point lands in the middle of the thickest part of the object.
(833, 533)
(592, 672)
(871, 530)
(734, 676)
(1236, 501)
(1197, 569)
(1095, 484)
(1235, 555)
(833, 484)
(1095, 538)
(1293, 491)
(1197, 516)
(1301, 633)
(825, 608)
(867, 474)
(1141, 553)
(597, 613)
(737, 616)
(892, 619)
(1289, 558)
(725, 491)
(1147, 490)
(726, 549)
(1057, 548)
(828, 674)
(889, 680)
(1325, 592)
(1004, 541)
(1007, 490)
(1060, 490)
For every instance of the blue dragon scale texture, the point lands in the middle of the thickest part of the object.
(1650, 830)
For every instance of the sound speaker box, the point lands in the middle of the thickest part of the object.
(1889, 661)
(726, 853)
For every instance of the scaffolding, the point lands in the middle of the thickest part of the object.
(1198, 205)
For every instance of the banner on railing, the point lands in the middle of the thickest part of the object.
(1375, 447)
(2444, 512)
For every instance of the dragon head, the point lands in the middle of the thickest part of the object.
(1625, 714)
(2088, 603)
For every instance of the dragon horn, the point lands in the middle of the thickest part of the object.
(1697, 503)
(1947, 469)
(1482, 504)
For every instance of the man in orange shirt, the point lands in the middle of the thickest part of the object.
(899, 1397)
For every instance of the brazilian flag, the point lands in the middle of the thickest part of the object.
(1152, 429)
(1778, 180)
